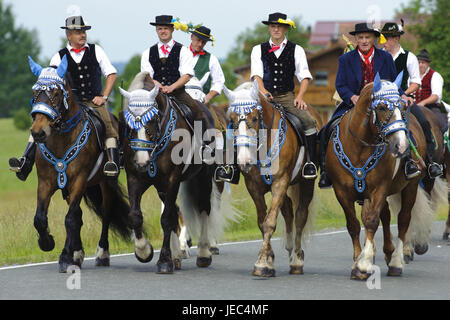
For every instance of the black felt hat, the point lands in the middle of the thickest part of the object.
(392, 29)
(163, 20)
(203, 33)
(424, 55)
(75, 23)
(273, 18)
(364, 27)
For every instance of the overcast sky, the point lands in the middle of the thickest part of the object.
(123, 28)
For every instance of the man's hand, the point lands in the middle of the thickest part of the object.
(209, 96)
(168, 89)
(300, 104)
(409, 100)
(354, 99)
(98, 101)
(266, 94)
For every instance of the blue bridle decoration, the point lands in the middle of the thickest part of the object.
(156, 148)
(61, 164)
(137, 122)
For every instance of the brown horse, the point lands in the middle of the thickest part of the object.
(446, 235)
(363, 169)
(69, 157)
(154, 157)
(278, 171)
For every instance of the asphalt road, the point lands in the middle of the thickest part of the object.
(328, 260)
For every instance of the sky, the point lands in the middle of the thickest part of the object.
(122, 27)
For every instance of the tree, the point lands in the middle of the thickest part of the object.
(433, 32)
(132, 68)
(16, 43)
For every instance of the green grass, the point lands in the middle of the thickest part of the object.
(18, 238)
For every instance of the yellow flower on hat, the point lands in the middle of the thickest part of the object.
(184, 27)
(176, 25)
(287, 21)
(382, 39)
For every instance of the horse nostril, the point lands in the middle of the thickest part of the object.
(39, 136)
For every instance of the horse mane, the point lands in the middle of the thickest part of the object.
(365, 97)
(142, 80)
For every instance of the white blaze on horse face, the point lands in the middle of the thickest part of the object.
(399, 138)
(141, 157)
(244, 156)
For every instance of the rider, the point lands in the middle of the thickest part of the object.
(407, 62)
(86, 64)
(171, 66)
(356, 69)
(274, 64)
(430, 93)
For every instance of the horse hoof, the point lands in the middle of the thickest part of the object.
(148, 259)
(204, 262)
(296, 270)
(446, 236)
(164, 267)
(264, 272)
(394, 272)
(189, 243)
(184, 254)
(214, 250)
(65, 267)
(359, 275)
(420, 249)
(101, 262)
(46, 243)
(177, 264)
(407, 258)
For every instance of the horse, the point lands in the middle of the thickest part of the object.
(70, 153)
(152, 157)
(221, 215)
(363, 171)
(277, 172)
(446, 234)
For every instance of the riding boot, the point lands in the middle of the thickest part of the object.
(434, 169)
(310, 169)
(23, 166)
(411, 169)
(324, 181)
(112, 166)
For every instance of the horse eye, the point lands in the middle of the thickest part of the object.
(254, 119)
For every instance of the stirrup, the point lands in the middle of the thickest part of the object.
(110, 169)
(309, 177)
(16, 165)
(412, 175)
(216, 179)
(439, 168)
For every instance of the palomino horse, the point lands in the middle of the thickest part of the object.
(153, 157)
(70, 154)
(220, 215)
(276, 171)
(363, 170)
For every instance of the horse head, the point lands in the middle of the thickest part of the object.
(194, 87)
(245, 113)
(142, 118)
(50, 99)
(388, 114)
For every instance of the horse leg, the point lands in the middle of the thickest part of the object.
(264, 266)
(446, 235)
(388, 246)
(301, 217)
(408, 198)
(216, 196)
(288, 215)
(204, 255)
(353, 225)
(143, 250)
(258, 198)
(45, 241)
(184, 238)
(73, 253)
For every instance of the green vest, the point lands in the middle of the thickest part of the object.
(201, 68)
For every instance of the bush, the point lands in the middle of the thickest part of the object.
(22, 119)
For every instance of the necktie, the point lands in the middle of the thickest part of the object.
(274, 47)
(367, 56)
(200, 53)
(164, 49)
(78, 50)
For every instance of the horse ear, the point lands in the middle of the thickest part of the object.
(255, 91)
(229, 94)
(154, 93)
(125, 93)
(377, 83)
(62, 68)
(204, 79)
(35, 68)
(398, 80)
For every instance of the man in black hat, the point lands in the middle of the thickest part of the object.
(407, 62)
(87, 63)
(274, 64)
(356, 69)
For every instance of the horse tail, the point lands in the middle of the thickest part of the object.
(439, 194)
(118, 215)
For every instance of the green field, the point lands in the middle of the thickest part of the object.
(18, 238)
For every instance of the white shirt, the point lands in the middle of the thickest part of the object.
(216, 73)
(105, 65)
(301, 64)
(412, 65)
(186, 59)
(437, 82)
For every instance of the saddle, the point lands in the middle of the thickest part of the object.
(97, 123)
(297, 125)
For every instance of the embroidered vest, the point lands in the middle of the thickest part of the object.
(400, 64)
(166, 69)
(278, 72)
(425, 88)
(201, 68)
(86, 76)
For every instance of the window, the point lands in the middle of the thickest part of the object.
(321, 78)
